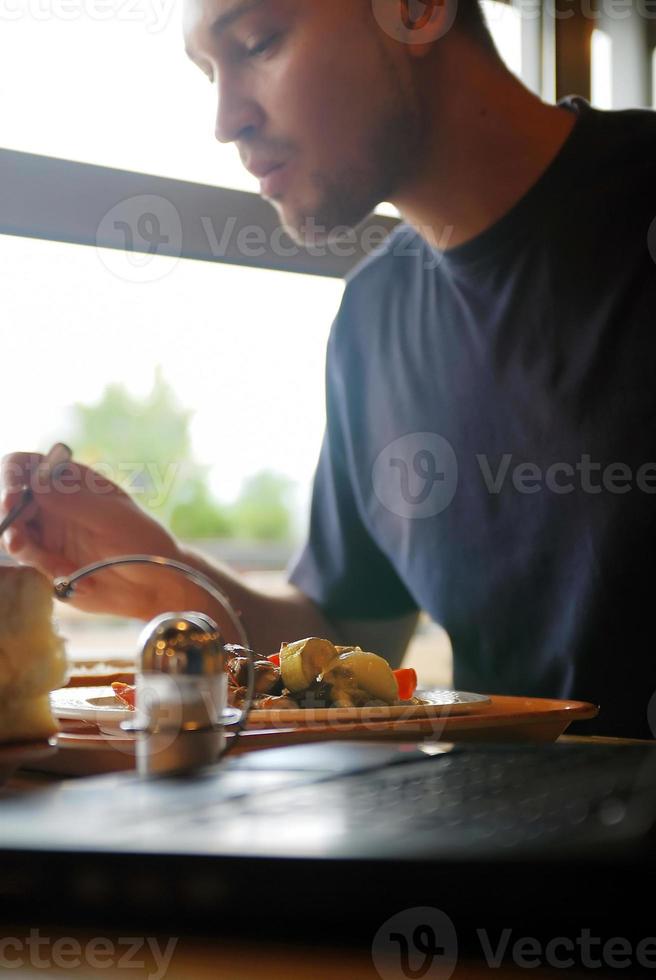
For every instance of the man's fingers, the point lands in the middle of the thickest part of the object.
(16, 468)
(72, 490)
(26, 552)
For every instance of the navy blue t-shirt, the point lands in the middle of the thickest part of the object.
(490, 449)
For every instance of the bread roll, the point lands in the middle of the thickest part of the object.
(32, 655)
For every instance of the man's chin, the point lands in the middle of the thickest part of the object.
(316, 230)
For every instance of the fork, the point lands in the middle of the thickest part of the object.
(60, 453)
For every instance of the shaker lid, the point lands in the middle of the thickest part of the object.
(187, 644)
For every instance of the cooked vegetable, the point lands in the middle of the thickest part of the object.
(311, 673)
(358, 677)
(406, 680)
(267, 676)
(125, 693)
(303, 661)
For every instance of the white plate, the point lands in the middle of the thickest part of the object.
(100, 706)
(96, 705)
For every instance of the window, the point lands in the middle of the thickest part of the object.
(602, 70)
(243, 348)
(108, 82)
(505, 24)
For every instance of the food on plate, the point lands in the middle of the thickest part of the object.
(310, 673)
(356, 677)
(125, 693)
(32, 654)
(302, 662)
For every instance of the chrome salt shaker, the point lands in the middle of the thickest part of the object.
(181, 679)
(181, 694)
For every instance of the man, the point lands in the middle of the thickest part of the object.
(490, 441)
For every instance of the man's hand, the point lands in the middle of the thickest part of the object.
(79, 517)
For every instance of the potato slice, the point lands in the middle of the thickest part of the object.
(357, 671)
(302, 662)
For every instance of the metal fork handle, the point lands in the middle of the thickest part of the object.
(64, 586)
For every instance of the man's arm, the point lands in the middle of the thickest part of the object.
(286, 614)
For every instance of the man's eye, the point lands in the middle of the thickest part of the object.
(262, 46)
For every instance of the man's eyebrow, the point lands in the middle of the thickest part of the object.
(223, 21)
(230, 16)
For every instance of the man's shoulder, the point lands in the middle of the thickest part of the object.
(622, 141)
(371, 303)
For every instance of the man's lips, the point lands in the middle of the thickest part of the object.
(272, 184)
(270, 175)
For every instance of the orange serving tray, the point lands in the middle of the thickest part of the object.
(83, 750)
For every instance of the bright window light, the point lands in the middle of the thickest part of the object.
(602, 70)
(108, 82)
(244, 349)
(505, 23)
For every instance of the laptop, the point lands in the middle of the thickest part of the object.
(336, 839)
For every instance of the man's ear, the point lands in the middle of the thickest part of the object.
(417, 23)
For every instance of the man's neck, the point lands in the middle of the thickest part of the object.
(491, 140)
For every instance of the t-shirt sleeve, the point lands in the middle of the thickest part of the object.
(341, 567)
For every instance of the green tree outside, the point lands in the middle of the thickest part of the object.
(145, 446)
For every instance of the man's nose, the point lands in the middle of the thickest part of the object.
(236, 115)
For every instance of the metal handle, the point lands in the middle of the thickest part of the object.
(64, 584)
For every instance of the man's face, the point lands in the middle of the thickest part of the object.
(316, 89)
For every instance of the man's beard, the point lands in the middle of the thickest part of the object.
(392, 151)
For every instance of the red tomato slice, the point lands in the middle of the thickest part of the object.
(125, 693)
(406, 680)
